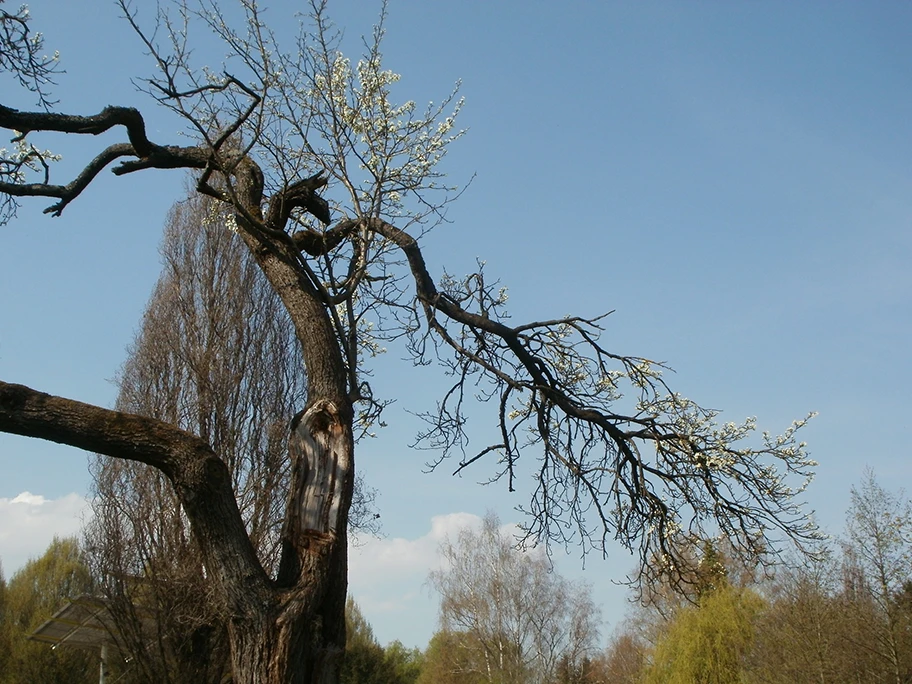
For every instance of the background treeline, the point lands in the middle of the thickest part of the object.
(843, 615)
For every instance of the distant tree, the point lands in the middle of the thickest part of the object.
(843, 619)
(450, 658)
(34, 593)
(5, 631)
(367, 662)
(510, 610)
(364, 657)
(711, 567)
(801, 636)
(622, 662)
(708, 643)
(406, 663)
(901, 607)
(623, 456)
(584, 671)
(878, 559)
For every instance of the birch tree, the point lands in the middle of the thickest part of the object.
(512, 618)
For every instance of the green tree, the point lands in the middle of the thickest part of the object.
(708, 643)
(364, 658)
(450, 659)
(406, 663)
(33, 595)
(5, 645)
(367, 662)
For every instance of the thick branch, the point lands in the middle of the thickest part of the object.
(128, 117)
(27, 412)
(200, 478)
(69, 192)
(318, 244)
(299, 195)
(149, 154)
(167, 157)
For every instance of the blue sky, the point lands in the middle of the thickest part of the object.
(732, 179)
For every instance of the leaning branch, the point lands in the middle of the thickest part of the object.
(106, 119)
(147, 153)
(67, 193)
(201, 479)
(428, 294)
(27, 412)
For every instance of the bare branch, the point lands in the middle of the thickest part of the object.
(149, 154)
(646, 477)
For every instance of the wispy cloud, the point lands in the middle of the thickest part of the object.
(29, 522)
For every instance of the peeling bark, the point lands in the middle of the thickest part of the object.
(321, 469)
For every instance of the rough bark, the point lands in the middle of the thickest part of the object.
(291, 631)
(300, 637)
(199, 476)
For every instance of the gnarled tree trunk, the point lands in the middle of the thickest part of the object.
(288, 630)
(300, 636)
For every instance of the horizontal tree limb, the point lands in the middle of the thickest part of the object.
(200, 478)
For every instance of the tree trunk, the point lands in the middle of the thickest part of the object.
(299, 637)
(287, 631)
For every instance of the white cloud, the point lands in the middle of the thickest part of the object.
(29, 522)
(387, 577)
(382, 560)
